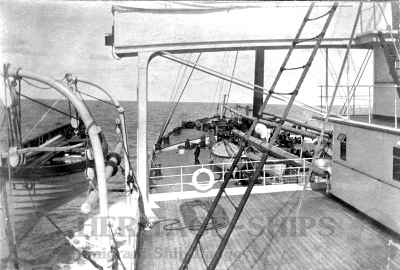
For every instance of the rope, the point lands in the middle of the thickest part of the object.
(230, 200)
(320, 16)
(357, 80)
(217, 222)
(19, 107)
(35, 85)
(114, 248)
(203, 257)
(47, 106)
(232, 75)
(220, 84)
(40, 120)
(177, 102)
(325, 120)
(85, 254)
(178, 79)
(174, 95)
(96, 98)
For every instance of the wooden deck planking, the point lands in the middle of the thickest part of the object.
(353, 243)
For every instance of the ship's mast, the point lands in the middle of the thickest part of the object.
(258, 80)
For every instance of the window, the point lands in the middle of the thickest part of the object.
(396, 163)
(342, 140)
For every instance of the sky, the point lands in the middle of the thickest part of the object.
(56, 37)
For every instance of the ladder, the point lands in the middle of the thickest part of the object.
(265, 147)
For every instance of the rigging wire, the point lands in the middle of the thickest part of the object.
(35, 85)
(241, 82)
(177, 102)
(178, 79)
(356, 81)
(96, 98)
(40, 120)
(220, 84)
(174, 94)
(232, 75)
(333, 76)
(328, 112)
(84, 253)
(47, 106)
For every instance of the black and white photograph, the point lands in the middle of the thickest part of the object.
(191, 135)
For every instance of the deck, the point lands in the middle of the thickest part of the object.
(269, 235)
(325, 235)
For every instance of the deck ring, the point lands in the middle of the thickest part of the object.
(203, 187)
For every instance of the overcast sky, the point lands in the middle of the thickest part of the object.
(53, 38)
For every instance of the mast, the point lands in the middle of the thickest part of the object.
(258, 80)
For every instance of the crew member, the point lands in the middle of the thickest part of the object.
(196, 155)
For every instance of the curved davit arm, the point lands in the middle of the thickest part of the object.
(122, 120)
(91, 127)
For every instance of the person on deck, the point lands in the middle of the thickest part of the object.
(196, 155)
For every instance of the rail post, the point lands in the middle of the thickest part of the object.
(369, 104)
(264, 176)
(395, 110)
(181, 180)
(304, 171)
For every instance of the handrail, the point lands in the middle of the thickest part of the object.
(275, 161)
(360, 85)
(281, 175)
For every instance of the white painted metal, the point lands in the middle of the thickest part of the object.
(142, 88)
(180, 173)
(221, 27)
(365, 178)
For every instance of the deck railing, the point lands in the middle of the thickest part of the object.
(358, 100)
(180, 178)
